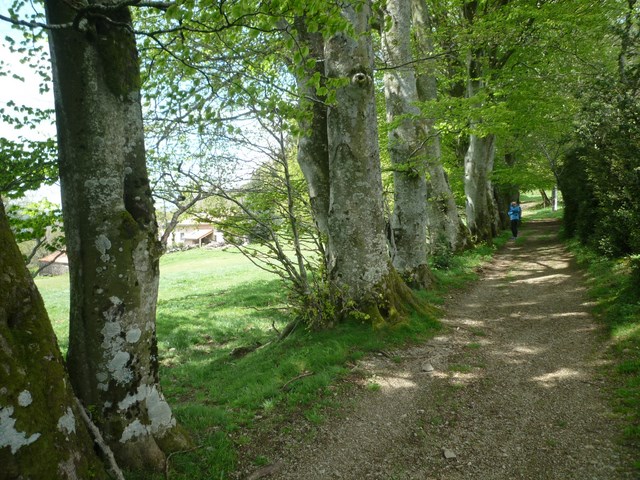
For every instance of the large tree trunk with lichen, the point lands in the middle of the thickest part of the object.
(111, 235)
(407, 138)
(360, 268)
(313, 154)
(444, 225)
(42, 434)
(356, 222)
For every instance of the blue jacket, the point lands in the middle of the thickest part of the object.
(515, 213)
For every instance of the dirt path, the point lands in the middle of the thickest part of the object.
(516, 391)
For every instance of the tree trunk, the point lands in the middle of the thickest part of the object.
(111, 236)
(481, 209)
(356, 222)
(407, 137)
(313, 154)
(546, 202)
(444, 224)
(482, 218)
(478, 163)
(360, 270)
(42, 435)
(505, 194)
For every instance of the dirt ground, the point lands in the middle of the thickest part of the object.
(513, 388)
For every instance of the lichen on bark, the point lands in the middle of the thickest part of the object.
(360, 270)
(111, 234)
(408, 137)
(38, 414)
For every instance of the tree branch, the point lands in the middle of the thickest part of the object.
(46, 26)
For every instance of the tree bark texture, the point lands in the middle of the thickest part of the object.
(408, 136)
(42, 435)
(483, 220)
(313, 154)
(480, 206)
(360, 269)
(111, 235)
(444, 224)
(356, 222)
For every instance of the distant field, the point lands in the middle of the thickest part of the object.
(195, 286)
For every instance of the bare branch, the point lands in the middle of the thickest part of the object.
(30, 24)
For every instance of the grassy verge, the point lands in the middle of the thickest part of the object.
(212, 303)
(618, 305)
(536, 210)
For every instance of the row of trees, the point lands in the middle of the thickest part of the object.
(472, 87)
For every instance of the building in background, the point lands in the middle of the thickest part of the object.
(192, 234)
(56, 263)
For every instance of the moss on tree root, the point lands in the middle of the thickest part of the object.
(420, 277)
(393, 302)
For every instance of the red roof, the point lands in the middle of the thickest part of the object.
(55, 257)
(198, 234)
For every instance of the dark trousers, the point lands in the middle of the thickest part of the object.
(514, 227)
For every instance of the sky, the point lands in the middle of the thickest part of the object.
(27, 93)
(23, 93)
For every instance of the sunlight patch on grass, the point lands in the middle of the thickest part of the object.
(626, 332)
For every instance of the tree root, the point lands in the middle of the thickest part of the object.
(97, 437)
(393, 302)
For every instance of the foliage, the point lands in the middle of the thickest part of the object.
(27, 160)
(41, 221)
(26, 165)
(269, 220)
(601, 184)
(533, 61)
(441, 257)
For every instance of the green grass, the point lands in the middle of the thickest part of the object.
(536, 211)
(618, 306)
(460, 368)
(211, 302)
(374, 387)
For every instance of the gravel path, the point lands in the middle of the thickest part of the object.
(512, 389)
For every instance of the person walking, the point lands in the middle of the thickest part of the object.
(515, 214)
